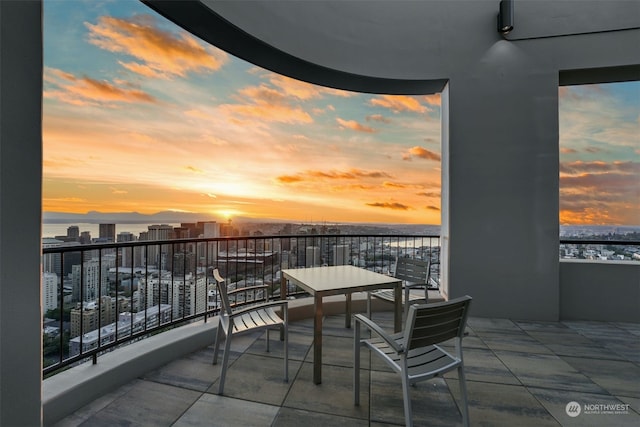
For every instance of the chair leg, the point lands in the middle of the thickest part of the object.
(216, 345)
(267, 340)
(225, 362)
(463, 396)
(408, 415)
(286, 352)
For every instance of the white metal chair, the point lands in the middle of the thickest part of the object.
(414, 353)
(417, 278)
(247, 319)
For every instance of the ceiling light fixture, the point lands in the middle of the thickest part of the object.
(505, 17)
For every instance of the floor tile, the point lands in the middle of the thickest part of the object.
(213, 410)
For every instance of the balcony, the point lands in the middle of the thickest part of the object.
(518, 373)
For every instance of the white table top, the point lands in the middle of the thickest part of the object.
(338, 279)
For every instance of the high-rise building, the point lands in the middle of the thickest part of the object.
(107, 232)
(340, 254)
(92, 279)
(313, 258)
(211, 229)
(158, 232)
(85, 237)
(73, 232)
(125, 256)
(49, 291)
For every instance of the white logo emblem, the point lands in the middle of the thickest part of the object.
(573, 409)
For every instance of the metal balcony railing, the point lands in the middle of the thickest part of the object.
(600, 249)
(100, 296)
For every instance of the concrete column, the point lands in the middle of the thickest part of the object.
(500, 184)
(20, 212)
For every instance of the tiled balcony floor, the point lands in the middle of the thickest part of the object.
(518, 374)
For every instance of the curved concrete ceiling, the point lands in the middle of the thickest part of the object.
(199, 19)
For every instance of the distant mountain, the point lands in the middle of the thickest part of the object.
(94, 217)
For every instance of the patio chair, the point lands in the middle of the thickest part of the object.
(260, 316)
(417, 278)
(414, 353)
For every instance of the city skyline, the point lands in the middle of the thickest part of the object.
(140, 116)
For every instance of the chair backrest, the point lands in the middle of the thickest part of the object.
(411, 270)
(222, 291)
(429, 324)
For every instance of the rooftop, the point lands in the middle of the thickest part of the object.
(518, 373)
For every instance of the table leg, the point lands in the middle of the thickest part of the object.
(317, 340)
(397, 319)
(347, 312)
(283, 296)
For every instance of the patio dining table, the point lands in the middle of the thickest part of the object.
(337, 280)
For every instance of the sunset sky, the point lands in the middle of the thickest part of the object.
(141, 116)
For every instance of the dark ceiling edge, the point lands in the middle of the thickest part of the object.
(623, 73)
(199, 20)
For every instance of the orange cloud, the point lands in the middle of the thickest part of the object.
(87, 91)
(565, 150)
(421, 153)
(160, 54)
(265, 103)
(434, 99)
(399, 103)
(313, 175)
(433, 208)
(390, 205)
(428, 194)
(393, 185)
(353, 125)
(264, 111)
(296, 88)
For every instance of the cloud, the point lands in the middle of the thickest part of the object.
(599, 192)
(390, 205)
(434, 99)
(194, 169)
(353, 125)
(296, 88)
(87, 91)
(399, 103)
(421, 153)
(315, 175)
(116, 191)
(159, 53)
(580, 167)
(378, 118)
(428, 194)
(433, 208)
(265, 103)
(566, 150)
(393, 185)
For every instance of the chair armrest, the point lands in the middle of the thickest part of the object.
(282, 303)
(379, 331)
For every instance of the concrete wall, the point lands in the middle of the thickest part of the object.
(500, 180)
(607, 291)
(20, 212)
